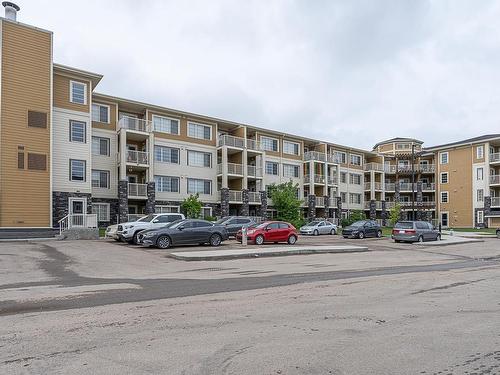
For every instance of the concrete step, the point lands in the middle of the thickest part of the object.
(27, 233)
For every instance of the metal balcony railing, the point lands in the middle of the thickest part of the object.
(254, 197)
(495, 202)
(320, 201)
(136, 124)
(138, 190)
(238, 142)
(137, 157)
(495, 157)
(494, 179)
(253, 171)
(314, 155)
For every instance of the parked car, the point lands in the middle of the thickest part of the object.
(129, 231)
(361, 229)
(413, 231)
(234, 223)
(184, 232)
(270, 231)
(111, 232)
(317, 227)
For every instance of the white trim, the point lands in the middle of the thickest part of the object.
(168, 206)
(205, 208)
(293, 143)
(70, 204)
(100, 105)
(199, 124)
(441, 154)
(168, 118)
(480, 213)
(447, 196)
(108, 210)
(84, 92)
(480, 147)
(51, 122)
(360, 159)
(447, 218)
(274, 139)
(441, 178)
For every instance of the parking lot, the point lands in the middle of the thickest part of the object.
(105, 307)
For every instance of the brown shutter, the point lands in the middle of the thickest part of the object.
(37, 162)
(37, 119)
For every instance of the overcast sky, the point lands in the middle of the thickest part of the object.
(349, 72)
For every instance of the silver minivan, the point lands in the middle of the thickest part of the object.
(415, 231)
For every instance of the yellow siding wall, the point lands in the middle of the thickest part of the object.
(26, 76)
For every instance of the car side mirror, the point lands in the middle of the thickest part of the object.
(156, 221)
(181, 227)
(268, 229)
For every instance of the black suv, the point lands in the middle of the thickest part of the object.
(235, 223)
(361, 229)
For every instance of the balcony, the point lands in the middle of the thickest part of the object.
(378, 205)
(332, 181)
(320, 201)
(495, 179)
(495, 202)
(390, 186)
(318, 179)
(138, 191)
(135, 124)
(495, 157)
(137, 157)
(427, 168)
(377, 167)
(253, 171)
(429, 187)
(314, 155)
(376, 185)
(238, 142)
(254, 197)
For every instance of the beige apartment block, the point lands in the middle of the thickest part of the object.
(66, 149)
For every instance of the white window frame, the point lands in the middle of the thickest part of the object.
(71, 82)
(480, 197)
(199, 152)
(171, 177)
(203, 209)
(357, 156)
(108, 176)
(447, 197)
(71, 170)
(480, 216)
(108, 115)
(291, 143)
(480, 152)
(355, 175)
(447, 218)
(167, 118)
(357, 195)
(189, 123)
(294, 166)
(96, 137)
(98, 213)
(73, 122)
(341, 160)
(199, 179)
(477, 174)
(441, 154)
(441, 177)
(277, 168)
(170, 148)
(262, 137)
(160, 207)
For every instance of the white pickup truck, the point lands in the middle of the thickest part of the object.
(129, 231)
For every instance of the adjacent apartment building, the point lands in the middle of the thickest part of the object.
(66, 149)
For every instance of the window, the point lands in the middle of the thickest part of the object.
(167, 154)
(269, 144)
(37, 119)
(272, 168)
(290, 170)
(195, 185)
(167, 209)
(165, 124)
(199, 131)
(355, 179)
(100, 146)
(403, 146)
(100, 179)
(479, 174)
(100, 113)
(340, 157)
(167, 184)
(355, 198)
(37, 162)
(20, 157)
(355, 159)
(480, 195)
(77, 131)
(101, 210)
(444, 219)
(444, 177)
(443, 158)
(205, 212)
(480, 217)
(77, 170)
(444, 197)
(343, 177)
(291, 148)
(199, 159)
(480, 152)
(78, 92)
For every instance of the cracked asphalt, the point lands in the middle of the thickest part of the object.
(100, 307)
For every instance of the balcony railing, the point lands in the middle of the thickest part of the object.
(138, 190)
(495, 179)
(407, 204)
(137, 157)
(390, 186)
(378, 205)
(253, 197)
(253, 171)
(495, 157)
(314, 155)
(376, 185)
(427, 168)
(495, 202)
(374, 167)
(136, 124)
(332, 181)
(320, 201)
(429, 187)
(238, 142)
(318, 179)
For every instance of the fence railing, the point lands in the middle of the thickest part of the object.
(77, 221)
(494, 157)
(137, 190)
(137, 157)
(133, 123)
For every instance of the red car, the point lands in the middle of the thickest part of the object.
(271, 231)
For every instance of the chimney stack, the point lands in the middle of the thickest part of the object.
(11, 10)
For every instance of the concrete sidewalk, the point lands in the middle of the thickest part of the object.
(256, 252)
(449, 240)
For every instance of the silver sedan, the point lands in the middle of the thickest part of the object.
(317, 227)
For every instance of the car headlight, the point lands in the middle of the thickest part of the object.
(128, 226)
(149, 234)
(251, 231)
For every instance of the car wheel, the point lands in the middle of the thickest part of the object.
(397, 241)
(361, 235)
(333, 232)
(163, 242)
(316, 233)
(259, 240)
(438, 237)
(135, 238)
(379, 234)
(215, 239)
(421, 239)
(292, 239)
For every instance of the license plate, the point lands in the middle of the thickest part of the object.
(401, 232)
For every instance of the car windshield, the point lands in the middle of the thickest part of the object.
(358, 224)
(146, 219)
(313, 223)
(261, 226)
(175, 224)
(220, 221)
(404, 225)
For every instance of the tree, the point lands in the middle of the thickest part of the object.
(354, 215)
(286, 202)
(394, 214)
(192, 206)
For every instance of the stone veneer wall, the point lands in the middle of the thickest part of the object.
(60, 204)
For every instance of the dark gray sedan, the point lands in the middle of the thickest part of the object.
(184, 232)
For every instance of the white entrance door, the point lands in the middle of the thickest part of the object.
(77, 210)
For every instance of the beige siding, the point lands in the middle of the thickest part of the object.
(62, 90)
(26, 77)
(106, 163)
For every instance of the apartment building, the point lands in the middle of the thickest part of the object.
(67, 150)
